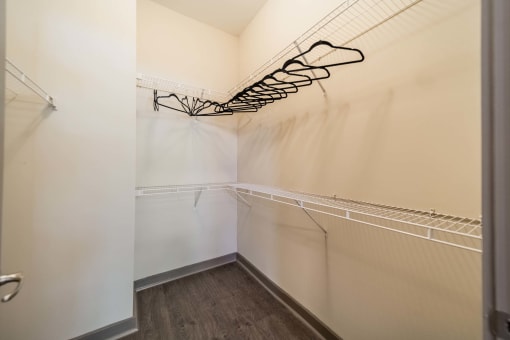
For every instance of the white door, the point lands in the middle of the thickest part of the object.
(12, 281)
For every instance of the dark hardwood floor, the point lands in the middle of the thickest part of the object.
(221, 303)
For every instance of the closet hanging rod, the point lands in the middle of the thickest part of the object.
(17, 73)
(276, 85)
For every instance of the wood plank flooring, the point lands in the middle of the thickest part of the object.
(221, 303)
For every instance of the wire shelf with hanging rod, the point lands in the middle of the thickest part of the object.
(161, 84)
(276, 85)
(341, 27)
(325, 44)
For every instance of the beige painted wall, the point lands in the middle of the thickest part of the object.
(175, 149)
(69, 174)
(401, 128)
(173, 46)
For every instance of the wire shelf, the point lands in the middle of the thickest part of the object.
(173, 189)
(17, 73)
(460, 232)
(161, 84)
(346, 23)
(465, 233)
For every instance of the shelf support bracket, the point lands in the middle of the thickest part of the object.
(197, 197)
(241, 198)
(300, 204)
(313, 72)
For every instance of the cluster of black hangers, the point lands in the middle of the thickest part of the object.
(294, 73)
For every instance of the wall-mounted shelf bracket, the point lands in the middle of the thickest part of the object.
(241, 198)
(301, 205)
(17, 73)
(313, 72)
(197, 197)
(296, 72)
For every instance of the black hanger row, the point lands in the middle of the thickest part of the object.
(295, 73)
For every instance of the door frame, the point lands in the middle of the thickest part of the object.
(2, 113)
(496, 168)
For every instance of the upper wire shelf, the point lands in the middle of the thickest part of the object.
(347, 22)
(295, 73)
(17, 73)
(161, 84)
(341, 28)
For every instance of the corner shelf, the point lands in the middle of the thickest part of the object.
(174, 189)
(161, 84)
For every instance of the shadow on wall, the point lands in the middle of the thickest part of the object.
(173, 148)
(363, 282)
(26, 114)
(315, 141)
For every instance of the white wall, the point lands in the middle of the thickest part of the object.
(172, 233)
(175, 149)
(402, 129)
(69, 174)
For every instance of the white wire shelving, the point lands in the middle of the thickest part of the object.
(343, 26)
(19, 75)
(196, 189)
(174, 189)
(460, 232)
(157, 83)
(346, 23)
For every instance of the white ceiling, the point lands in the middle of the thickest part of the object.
(231, 16)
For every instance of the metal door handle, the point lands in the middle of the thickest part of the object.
(5, 279)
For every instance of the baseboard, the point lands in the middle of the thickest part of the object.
(175, 274)
(115, 330)
(130, 325)
(304, 314)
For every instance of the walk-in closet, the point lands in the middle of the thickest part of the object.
(259, 169)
